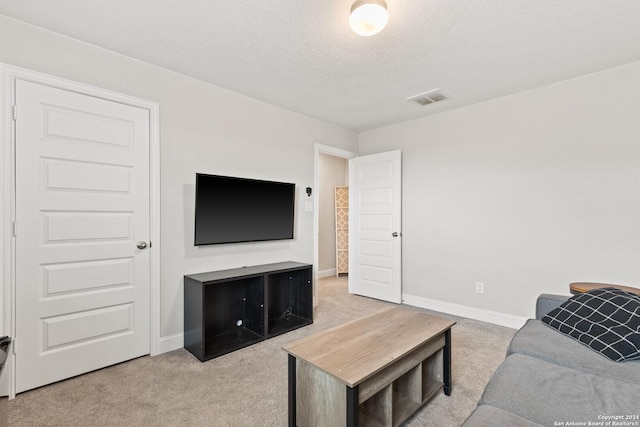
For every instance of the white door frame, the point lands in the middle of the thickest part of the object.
(7, 213)
(332, 151)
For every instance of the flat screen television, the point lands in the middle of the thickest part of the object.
(232, 210)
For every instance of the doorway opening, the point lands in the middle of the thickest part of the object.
(331, 167)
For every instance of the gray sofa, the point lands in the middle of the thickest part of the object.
(550, 379)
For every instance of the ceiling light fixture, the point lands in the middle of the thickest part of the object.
(368, 17)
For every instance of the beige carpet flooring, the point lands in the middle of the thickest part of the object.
(248, 387)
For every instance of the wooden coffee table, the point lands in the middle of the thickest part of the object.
(374, 371)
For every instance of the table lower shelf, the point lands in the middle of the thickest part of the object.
(402, 407)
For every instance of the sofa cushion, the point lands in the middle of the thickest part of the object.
(607, 320)
(538, 340)
(546, 393)
(486, 415)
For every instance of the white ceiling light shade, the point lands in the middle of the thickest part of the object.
(368, 17)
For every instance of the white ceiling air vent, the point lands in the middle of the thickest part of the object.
(427, 98)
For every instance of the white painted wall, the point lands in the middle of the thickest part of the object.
(333, 172)
(203, 128)
(525, 193)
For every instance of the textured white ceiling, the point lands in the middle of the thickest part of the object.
(301, 54)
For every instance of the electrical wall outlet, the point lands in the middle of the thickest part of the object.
(479, 287)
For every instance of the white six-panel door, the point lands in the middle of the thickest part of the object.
(82, 207)
(375, 207)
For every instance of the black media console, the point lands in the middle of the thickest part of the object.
(230, 309)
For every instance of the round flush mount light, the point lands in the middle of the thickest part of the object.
(368, 17)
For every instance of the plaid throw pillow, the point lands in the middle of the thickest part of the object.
(607, 320)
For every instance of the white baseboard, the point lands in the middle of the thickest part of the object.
(326, 273)
(501, 319)
(170, 343)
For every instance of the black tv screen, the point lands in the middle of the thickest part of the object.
(231, 210)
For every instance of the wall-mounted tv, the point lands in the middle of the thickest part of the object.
(232, 210)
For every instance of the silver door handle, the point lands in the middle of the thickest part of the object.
(395, 234)
(142, 245)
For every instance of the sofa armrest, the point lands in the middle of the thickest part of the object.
(547, 302)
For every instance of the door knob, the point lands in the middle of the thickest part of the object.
(395, 234)
(142, 245)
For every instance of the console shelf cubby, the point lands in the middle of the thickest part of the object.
(230, 309)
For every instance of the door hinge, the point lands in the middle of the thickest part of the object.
(15, 112)
(15, 229)
(13, 343)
